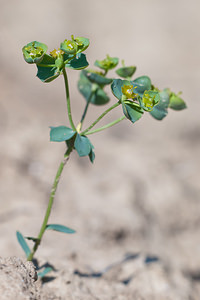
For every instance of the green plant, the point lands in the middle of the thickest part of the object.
(136, 96)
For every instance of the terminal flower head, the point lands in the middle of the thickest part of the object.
(33, 52)
(75, 45)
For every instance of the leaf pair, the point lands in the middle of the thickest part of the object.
(81, 143)
(48, 70)
(56, 227)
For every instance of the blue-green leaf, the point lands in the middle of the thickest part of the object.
(92, 155)
(97, 78)
(126, 72)
(44, 272)
(61, 134)
(78, 63)
(132, 110)
(99, 97)
(116, 87)
(23, 243)
(82, 145)
(47, 70)
(60, 228)
(143, 83)
(160, 110)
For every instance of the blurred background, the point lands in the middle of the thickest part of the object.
(142, 193)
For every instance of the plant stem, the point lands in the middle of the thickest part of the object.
(106, 126)
(100, 117)
(68, 100)
(85, 110)
(51, 200)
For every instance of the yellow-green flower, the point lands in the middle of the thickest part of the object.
(56, 53)
(128, 91)
(108, 63)
(149, 100)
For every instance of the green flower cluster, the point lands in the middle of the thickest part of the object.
(136, 96)
(50, 66)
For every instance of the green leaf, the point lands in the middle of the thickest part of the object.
(86, 87)
(97, 78)
(132, 111)
(143, 83)
(160, 110)
(47, 70)
(126, 72)
(82, 145)
(78, 63)
(23, 243)
(44, 272)
(61, 134)
(176, 103)
(60, 228)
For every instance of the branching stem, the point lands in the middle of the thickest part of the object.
(100, 117)
(106, 126)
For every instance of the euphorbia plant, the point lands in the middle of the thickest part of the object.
(135, 96)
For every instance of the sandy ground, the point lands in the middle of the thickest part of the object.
(137, 209)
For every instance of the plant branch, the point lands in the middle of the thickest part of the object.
(100, 117)
(106, 126)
